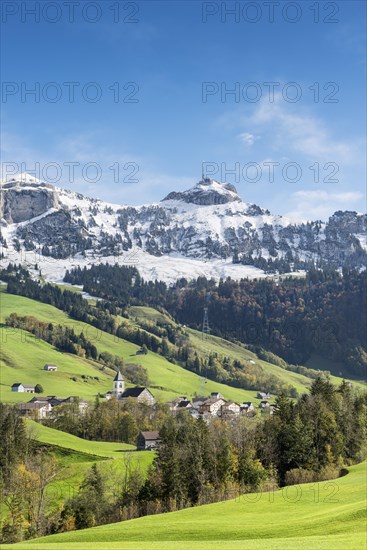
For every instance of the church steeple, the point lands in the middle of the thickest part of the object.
(118, 385)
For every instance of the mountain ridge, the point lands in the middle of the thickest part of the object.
(206, 229)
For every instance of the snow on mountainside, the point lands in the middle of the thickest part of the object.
(206, 230)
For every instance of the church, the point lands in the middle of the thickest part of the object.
(142, 395)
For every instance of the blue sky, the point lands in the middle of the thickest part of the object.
(162, 76)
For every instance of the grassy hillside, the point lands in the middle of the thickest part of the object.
(167, 380)
(326, 516)
(23, 357)
(43, 434)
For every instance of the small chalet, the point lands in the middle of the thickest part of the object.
(147, 441)
(247, 407)
(23, 388)
(212, 406)
(34, 410)
(230, 408)
(184, 405)
(198, 401)
(263, 395)
(172, 405)
(264, 405)
(142, 395)
(50, 368)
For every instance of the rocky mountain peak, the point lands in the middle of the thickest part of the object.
(206, 192)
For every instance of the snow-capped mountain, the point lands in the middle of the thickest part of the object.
(206, 230)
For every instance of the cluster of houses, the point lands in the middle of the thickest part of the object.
(213, 406)
(206, 408)
(217, 406)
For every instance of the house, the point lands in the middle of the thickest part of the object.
(50, 368)
(212, 406)
(34, 410)
(142, 395)
(184, 405)
(198, 401)
(24, 388)
(263, 395)
(264, 405)
(51, 399)
(172, 405)
(147, 441)
(230, 408)
(247, 407)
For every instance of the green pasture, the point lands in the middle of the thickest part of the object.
(329, 515)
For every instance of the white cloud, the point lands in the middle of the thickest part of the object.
(247, 138)
(298, 131)
(320, 204)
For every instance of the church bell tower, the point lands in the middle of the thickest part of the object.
(118, 386)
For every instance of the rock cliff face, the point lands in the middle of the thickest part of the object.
(22, 201)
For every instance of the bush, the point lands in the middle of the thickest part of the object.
(38, 388)
(328, 472)
(299, 475)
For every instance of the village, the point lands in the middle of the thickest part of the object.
(206, 407)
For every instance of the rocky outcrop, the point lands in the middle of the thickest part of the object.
(207, 192)
(20, 202)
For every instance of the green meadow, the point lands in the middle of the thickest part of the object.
(330, 515)
(50, 436)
